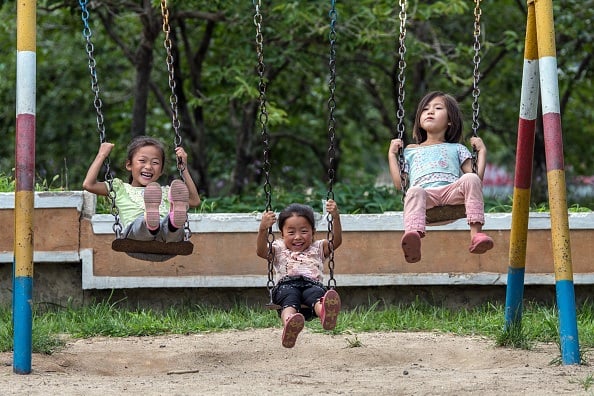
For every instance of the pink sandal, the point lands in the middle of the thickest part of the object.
(411, 245)
(178, 201)
(480, 243)
(293, 327)
(152, 200)
(330, 309)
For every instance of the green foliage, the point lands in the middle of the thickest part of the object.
(220, 123)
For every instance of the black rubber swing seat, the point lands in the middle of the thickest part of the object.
(445, 214)
(152, 250)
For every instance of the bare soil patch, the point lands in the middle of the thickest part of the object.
(254, 363)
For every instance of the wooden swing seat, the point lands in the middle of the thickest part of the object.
(152, 250)
(274, 306)
(445, 214)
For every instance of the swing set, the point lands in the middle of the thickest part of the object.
(263, 118)
(539, 60)
(142, 250)
(448, 213)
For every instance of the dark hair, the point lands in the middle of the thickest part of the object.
(454, 132)
(296, 209)
(142, 141)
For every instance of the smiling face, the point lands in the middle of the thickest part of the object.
(146, 165)
(297, 233)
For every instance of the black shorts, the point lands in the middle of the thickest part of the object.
(295, 291)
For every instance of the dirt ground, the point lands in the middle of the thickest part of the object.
(254, 363)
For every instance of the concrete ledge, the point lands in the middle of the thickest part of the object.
(48, 257)
(389, 221)
(44, 200)
(68, 231)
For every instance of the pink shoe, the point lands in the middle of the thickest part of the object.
(480, 243)
(330, 309)
(293, 327)
(178, 203)
(411, 245)
(152, 200)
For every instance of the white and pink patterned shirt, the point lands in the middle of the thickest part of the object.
(308, 263)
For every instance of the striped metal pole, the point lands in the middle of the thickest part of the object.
(551, 114)
(523, 177)
(24, 191)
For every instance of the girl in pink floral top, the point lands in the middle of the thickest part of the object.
(299, 264)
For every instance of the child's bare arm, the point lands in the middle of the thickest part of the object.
(268, 219)
(332, 208)
(194, 200)
(91, 184)
(393, 153)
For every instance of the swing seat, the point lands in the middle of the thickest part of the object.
(274, 306)
(445, 214)
(152, 250)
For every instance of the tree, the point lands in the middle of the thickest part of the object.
(216, 84)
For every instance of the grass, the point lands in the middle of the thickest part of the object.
(53, 325)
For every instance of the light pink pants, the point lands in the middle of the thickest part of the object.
(467, 190)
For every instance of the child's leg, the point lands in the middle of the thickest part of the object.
(415, 207)
(138, 231)
(470, 187)
(327, 309)
(415, 210)
(167, 234)
(293, 323)
(286, 313)
(288, 296)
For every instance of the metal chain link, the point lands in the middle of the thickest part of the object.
(331, 139)
(90, 48)
(401, 78)
(265, 138)
(173, 100)
(476, 78)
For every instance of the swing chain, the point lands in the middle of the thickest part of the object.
(401, 95)
(331, 140)
(476, 77)
(263, 118)
(97, 102)
(175, 122)
(172, 83)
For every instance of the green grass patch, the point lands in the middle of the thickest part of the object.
(53, 325)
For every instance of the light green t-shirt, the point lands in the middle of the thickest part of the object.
(130, 201)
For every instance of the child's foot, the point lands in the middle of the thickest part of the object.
(152, 200)
(293, 327)
(411, 246)
(330, 309)
(480, 243)
(178, 201)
